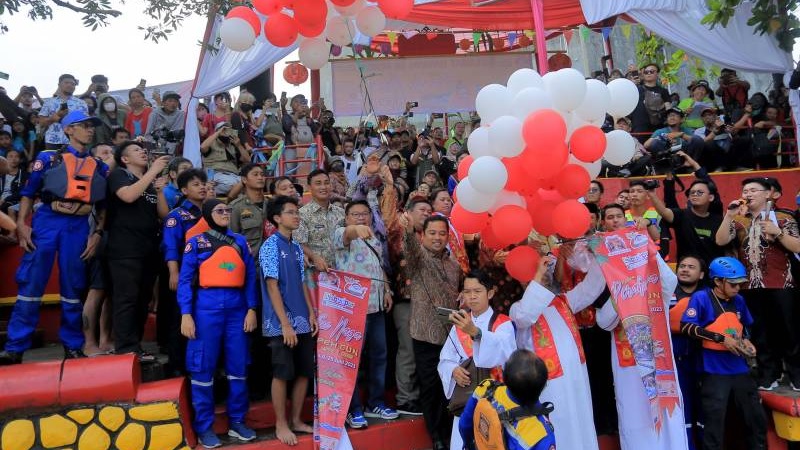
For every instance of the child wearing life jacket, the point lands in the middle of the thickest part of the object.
(217, 298)
(509, 416)
(718, 317)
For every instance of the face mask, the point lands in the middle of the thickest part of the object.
(109, 107)
(245, 107)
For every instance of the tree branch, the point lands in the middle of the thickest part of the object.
(102, 12)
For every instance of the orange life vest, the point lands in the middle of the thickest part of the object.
(75, 179)
(727, 323)
(200, 227)
(466, 342)
(224, 268)
(675, 314)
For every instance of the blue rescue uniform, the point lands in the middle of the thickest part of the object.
(219, 313)
(53, 233)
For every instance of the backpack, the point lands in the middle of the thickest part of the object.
(489, 424)
(654, 105)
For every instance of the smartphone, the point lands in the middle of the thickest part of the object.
(283, 95)
(437, 115)
(414, 104)
(409, 114)
(158, 154)
(142, 82)
(64, 106)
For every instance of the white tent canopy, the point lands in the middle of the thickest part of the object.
(678, 21)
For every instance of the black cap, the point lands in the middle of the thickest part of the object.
(676, 111)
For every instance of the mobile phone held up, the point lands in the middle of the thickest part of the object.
(443, 314)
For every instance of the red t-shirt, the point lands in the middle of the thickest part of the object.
(136, 124)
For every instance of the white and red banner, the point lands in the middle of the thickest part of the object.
(343, 299)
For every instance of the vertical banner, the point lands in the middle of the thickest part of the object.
(343, 298)
(628, 260)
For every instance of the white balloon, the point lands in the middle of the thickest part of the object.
(530, 100)
(596, 101)
(478, 142)
(567, 87)
(573, 122)
(505, 137)
(370, 21)
(593, 168)
(351, 10)
(340, 30)
(493, 101)
(624, 96)
(471, 199)
(314, 53)
(237, 34)
(488, 175)
(507, 198)
(620, 147)
(523, 79)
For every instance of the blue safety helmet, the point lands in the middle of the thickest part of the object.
(728, 268)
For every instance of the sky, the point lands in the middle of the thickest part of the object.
(35, 54)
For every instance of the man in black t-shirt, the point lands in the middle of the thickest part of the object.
(653, 103)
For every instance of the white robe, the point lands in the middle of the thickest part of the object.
(491, 350)
(570, 393)
(636, 430)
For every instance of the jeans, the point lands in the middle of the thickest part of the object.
(375, 343)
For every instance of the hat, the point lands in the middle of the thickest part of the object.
(77, 117)
(170, 94)
(708, 108)
(703, 83)
(220, 125)
(676, 111)
(100, 79)
(626, 119)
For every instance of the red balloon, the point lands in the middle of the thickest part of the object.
(343, 2)
(542, 163)
(551, 195)
(571, 219)
(311, 31)
(465, 44)
(522, 262)
(280, 30)
(517, 178)
(295, 73)
(243, 12)
(310, 12)
(511, 223)
(489, 239)
(463, 166)
(396, 9)
(532, 202)
(588, 143)
(544, 129)
(268, 7)
(468, 222)
(573, 181)
(542, 218)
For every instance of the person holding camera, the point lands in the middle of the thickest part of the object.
(425, 158)
(674, 137)
(56, 108)
(223, 153)
(165, 125)
(298, 127)
(718, 317)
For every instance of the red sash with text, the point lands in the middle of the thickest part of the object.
(545, 346)
(343, 299)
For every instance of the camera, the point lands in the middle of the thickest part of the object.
(167, 135)
(651, 184)
(414, 104)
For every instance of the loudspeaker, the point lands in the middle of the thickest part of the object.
(260, 86)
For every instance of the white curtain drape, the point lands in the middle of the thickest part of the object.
(678, 21)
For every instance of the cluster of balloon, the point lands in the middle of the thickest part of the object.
(320, 22)
(539, 146)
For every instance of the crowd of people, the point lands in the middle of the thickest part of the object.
(231, 249)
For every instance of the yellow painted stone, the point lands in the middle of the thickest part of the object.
(132, 437)
(112, 417)
(94, 438)
(156, 412)
(82, 416)
(165, 437)
(57, 431)
(18, 435)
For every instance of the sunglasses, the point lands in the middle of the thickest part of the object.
(222, 211)
(649, 72)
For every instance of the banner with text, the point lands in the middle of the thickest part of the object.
(343, 298)
(628, 260)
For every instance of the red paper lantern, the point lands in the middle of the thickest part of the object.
(541, 162)
(573, 181)
(463, 166)
(544, 128)
(396, 9)
(310, 12)
(525, 41)
(542, 218)
(511, 224)
(295, 73)
(243, 12)
(280, 30)
(517, 178)
(498, 43)
(268, 7)
(468, 222)
(571, 219)
(588, 143)
(558, 61)
(465, 44)
(522, 263)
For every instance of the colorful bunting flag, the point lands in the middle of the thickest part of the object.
(568, 35)
(392, 38)
(585, 32)
(512, 38)
(626, 30)
(606, 32)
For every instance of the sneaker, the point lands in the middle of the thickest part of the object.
(241, 432)
(382, 412)
(795, 386)
(356, 420)
(10, 358)
(208, 439)
(73, 354)
(145, 357)
(766, 386)
(409, 409)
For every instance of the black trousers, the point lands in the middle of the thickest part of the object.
(597, 348)
(431, 393)
(715, 392)
(168, 325)
(132, 281)
(774, 332)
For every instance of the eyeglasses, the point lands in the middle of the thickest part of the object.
(594, 190)
(696, 193)
(292, 212)
(223, 211)
(361, 214)
(751, 191)
(649, 72)
(736, 285)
